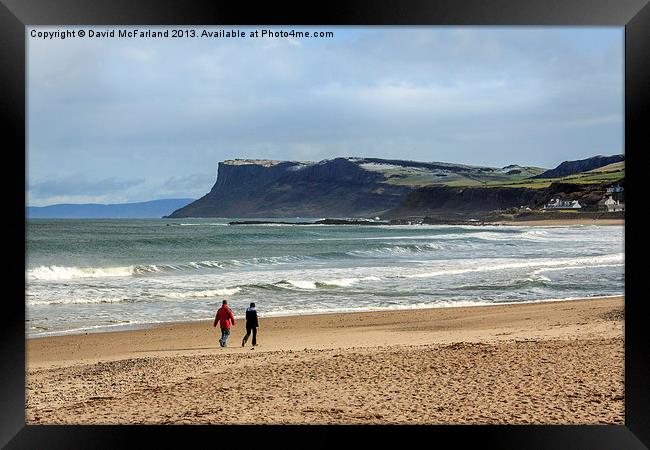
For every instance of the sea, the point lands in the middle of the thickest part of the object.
(101, 275)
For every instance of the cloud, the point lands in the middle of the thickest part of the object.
(80, 184)
(194, 185)
(80, 189)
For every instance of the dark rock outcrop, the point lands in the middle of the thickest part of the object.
(460, 202)
(457, 201)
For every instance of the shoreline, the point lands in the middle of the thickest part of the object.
(554, 362)
(118, 328)
(561, 222)
(407, 222)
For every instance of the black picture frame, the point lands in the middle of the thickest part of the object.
(634, 15)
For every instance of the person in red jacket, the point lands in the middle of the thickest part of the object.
(224, 317)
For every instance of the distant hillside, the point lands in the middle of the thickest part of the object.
(448, 201)
(340, 187)
(141, 210)
(610, 168)
(583, 165)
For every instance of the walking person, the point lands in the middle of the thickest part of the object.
(224, 317)
(251, 325)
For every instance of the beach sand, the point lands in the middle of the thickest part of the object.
(537, 363)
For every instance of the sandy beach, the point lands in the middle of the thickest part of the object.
(537, 363)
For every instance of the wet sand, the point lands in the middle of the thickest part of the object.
(543, 363)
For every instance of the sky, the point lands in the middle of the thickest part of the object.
(113, 120)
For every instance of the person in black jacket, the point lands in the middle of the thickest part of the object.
(251, 325)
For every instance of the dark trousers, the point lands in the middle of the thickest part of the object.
(248, 333)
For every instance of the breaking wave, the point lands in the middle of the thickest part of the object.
(315, 284)
(396, 250)
(208, 293)
(56, 273)
(62, 273)
(595, 261)
(52, 273)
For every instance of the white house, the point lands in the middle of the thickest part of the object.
(614, 205)
(556, 203)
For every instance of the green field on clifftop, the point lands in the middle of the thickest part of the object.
(419, 177)
(469, 176)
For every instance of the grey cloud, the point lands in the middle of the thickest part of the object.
(192, 185)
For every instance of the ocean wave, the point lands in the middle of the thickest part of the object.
(345, 282)
(396, 250)
(161, 295)
(381, 238)
(86, 300)
(62, 273)
(206, 293)
(47, 298)
(315, 284)
(467, 234)
(512, 234)
(557, 269)
(517, 284)
(51, 273)
(534, 235)
(569, 262)
(493, 236)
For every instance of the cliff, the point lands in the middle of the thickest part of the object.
(337, 187)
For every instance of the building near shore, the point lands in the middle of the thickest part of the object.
(556, 203)
(611, 205)
(614, 189)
